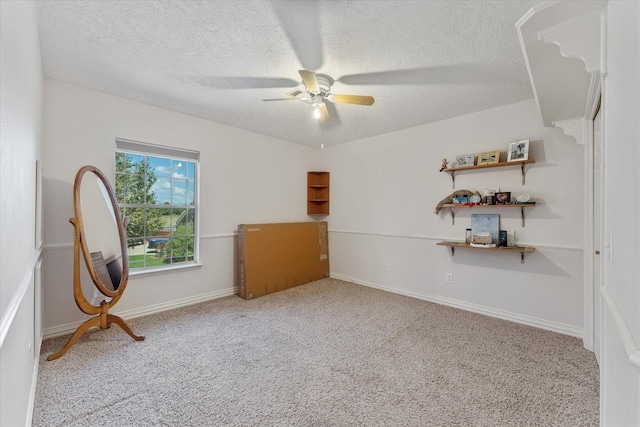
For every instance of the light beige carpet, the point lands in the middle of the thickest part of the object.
(329, 353)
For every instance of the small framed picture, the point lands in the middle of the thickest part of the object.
(502, 197)
(489, 157)
(518, 150)
(466, 160)
(459, 200)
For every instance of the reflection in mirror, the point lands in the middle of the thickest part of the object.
(101, 231)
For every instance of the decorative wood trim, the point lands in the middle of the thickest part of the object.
(577, 38)
(576, 128)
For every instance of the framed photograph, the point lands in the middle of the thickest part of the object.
(466, 160)
(489, 195)
(459, 200)
(502, 197)
(489, 157)
(518, 150)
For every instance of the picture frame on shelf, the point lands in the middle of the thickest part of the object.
(502, 197)
(489, 195)
(459, 200)
(518, 151)
(465, 160)
(489, 157)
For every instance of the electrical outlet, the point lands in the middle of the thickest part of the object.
(386, 268)
(448, 278)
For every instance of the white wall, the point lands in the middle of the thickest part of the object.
(244, 178)
(620, 382)
(384, 191)
(20, 140)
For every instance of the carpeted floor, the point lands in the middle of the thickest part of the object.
(329, 353)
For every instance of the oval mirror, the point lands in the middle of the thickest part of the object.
(101, 229)
(100, 236)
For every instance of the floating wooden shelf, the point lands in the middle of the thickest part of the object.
(317, 193)
(521, 163)
(454, 206)
(456, 244)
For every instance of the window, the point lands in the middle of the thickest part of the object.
(156, 189)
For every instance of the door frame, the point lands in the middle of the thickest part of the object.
(595, 103)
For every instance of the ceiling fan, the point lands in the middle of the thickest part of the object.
(317, 89)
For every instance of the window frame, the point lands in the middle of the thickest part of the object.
(158, 151)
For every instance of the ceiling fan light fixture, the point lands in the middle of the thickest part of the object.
(316, 112)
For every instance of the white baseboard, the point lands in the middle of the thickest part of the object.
(476, 308)
(69, 328)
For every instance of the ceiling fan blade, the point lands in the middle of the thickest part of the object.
(324, 112)
(354, 99)
(235, 82)
(300, 21)
(309, 79)
(438, 74)
(333, 113)
(281, 99)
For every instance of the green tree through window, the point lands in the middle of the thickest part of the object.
(156, 195)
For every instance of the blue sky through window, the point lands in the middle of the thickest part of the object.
(175, 180)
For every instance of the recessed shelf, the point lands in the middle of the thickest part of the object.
(456, 244)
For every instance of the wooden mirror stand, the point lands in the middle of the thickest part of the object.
(94, 201)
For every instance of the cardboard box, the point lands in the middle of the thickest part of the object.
(275, 257)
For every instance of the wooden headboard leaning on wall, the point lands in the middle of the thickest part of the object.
(275, 257)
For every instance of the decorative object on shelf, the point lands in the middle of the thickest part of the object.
(467, 236)
(485, 223)
(449, 199)
(482, 239)
(489, 157)
(489, 194)
(459, 200)
(444, 164)
(451, 169)
(503, 197)
(502, 241)
(475, 199)
(465, 160)
(518, 150)
(523, 197)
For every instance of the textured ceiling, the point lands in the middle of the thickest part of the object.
(423, 61)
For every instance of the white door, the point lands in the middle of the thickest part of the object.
(597, 230)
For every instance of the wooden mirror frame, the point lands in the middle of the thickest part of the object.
(103, 319)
